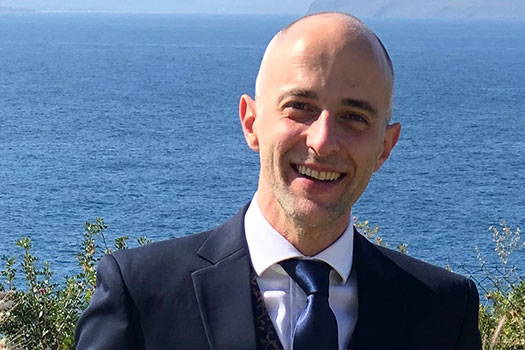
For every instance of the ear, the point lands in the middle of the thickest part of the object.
(391, 136)
(248, 114)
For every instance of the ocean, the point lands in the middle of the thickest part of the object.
(133, 117)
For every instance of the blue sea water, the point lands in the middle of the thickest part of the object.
(134, 118)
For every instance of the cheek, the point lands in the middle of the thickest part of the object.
(364, 150)
(284, 136)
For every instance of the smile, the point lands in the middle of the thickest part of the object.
(318, 175)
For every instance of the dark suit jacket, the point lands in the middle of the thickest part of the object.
(194, 293)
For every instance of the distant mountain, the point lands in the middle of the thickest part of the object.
(14, 9)
(424, 8)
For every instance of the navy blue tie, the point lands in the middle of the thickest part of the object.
(316, 327)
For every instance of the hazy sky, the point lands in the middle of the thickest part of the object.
(361, 8)
(184, 6)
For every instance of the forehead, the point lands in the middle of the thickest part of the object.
(341, 66)
(331, 34)
(333, 54)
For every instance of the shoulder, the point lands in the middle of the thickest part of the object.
(143, 286)
(435, 289)
(434, 277)
(418, 276)
(438, 304)
(176, 259)
(171, 250)
(153, 264)
(438, 295)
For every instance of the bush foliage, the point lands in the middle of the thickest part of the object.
(502, 315)
(43, 314)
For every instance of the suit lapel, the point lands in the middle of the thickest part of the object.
(381, 299)
(223, 288)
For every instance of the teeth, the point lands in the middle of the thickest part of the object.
(319, 175)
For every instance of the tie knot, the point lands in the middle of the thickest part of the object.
(312, 276)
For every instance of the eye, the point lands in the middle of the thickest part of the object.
(355, 117)
(302, 112)
(300, 106)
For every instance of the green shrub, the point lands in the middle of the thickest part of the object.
(502, 316)
(44, 314)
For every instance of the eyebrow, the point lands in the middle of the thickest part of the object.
(350, 102)
(364, 105)
(297, 93)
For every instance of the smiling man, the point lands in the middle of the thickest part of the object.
(290, 271)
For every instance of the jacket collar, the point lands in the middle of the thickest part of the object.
(223, 288)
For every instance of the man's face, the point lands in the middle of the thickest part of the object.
(320, 126)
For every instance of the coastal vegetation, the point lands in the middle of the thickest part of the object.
(43, 313)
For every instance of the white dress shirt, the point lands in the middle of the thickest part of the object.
(284, 299)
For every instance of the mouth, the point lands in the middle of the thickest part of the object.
(329, 176)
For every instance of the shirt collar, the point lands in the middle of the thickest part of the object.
(268, 247)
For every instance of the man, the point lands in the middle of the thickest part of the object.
(290, 271)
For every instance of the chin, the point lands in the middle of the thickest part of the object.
(315, 215)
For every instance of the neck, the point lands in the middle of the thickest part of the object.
(311, 240)
(309, 237)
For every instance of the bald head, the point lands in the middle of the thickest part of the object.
(351, 21)
(325, 36)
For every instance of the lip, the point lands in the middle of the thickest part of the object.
(318, 167)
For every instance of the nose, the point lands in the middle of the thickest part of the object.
(321, 136)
